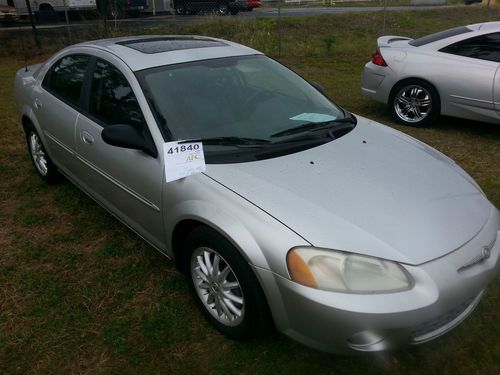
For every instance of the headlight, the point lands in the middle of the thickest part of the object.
(345, 272)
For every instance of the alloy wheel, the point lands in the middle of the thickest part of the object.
(413, 103)
(38, 154)
(217, 286)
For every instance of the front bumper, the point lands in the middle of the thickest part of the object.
(345, 323)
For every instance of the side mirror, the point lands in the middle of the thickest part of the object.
(318, 87)
(127, 136)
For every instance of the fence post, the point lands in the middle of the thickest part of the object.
(385, 17)
(32, 21)
(279, 28)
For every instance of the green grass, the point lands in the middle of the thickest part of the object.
(79, 293)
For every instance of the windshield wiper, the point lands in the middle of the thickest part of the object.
(229, 141)
(314, 126)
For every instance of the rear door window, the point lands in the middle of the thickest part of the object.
(65, 78)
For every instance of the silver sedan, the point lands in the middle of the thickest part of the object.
(454, 73)
(280, 206)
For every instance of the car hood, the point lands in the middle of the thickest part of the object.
(374, 191)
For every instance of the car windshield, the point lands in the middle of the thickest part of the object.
(229, 102)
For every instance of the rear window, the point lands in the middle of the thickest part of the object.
(439, 36)
(483, 47)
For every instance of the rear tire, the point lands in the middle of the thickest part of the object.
(225, 288)
(46, 14)
(414, 103)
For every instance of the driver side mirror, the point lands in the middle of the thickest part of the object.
(128, 136)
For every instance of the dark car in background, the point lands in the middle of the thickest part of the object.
(221, 7)
(121, 8)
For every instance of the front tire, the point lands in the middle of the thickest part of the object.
(414, 103)
(225, 288)
(44, 166)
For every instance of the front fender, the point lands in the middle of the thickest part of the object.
(260, 238)
(223, 222)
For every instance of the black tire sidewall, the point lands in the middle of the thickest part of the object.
(435, 100)
(256, 313)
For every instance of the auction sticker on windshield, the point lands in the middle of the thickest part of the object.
(313, 117)
(183, 159)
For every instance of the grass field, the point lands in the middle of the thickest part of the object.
(79, 293)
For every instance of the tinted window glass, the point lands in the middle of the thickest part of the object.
(484, 47)
(247, 96)
(65, 78)
(165, 44)
(439, 36)
(111, 98)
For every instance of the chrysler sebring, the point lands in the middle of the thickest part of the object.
(281, 207)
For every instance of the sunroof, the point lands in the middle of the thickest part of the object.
(166, 44)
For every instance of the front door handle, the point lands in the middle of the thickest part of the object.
(38, 103)
(87, 137)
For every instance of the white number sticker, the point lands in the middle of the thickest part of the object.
(183, 159)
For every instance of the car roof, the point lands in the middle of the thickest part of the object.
(485, 26)
(143, 52)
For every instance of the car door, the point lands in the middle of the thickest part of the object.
(470, 84)
(496, 91)
(127, 182)
(56, 103)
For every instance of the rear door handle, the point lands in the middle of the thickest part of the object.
(87, 137)
(38, 103)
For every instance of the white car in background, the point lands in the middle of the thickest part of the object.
(453, 72)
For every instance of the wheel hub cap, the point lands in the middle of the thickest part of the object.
(413, 104)
(217, 286)
(37, 154)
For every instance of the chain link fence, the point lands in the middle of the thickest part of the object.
(279, 28)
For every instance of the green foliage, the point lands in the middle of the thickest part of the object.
(329, 40)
